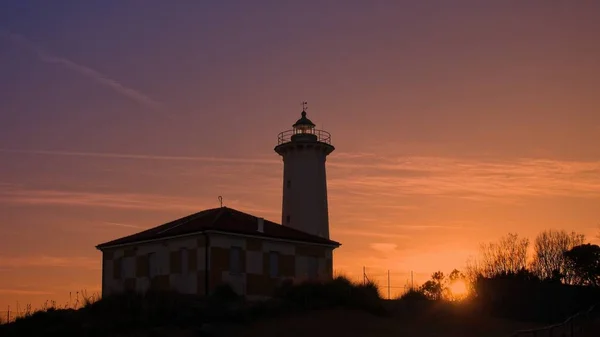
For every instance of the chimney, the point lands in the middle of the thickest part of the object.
(261, 225)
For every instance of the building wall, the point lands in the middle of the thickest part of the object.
(128, 268)
(131, 267)
(255, 279)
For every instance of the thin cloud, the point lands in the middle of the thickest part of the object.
(109, 155)
(5, 291)
(128, 201)
(92, 199)
(383, 247)
(49, 261)
(427, 227)
(359, 233)
(88, 72)
(383, 184)
(117, 224)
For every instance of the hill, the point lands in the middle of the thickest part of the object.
(336, 308)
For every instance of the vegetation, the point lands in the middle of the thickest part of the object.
(583, 264)
(549, 260)
(152, 311)
(560, 278)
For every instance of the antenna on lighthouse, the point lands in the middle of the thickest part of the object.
(304, 103)
(221, 200)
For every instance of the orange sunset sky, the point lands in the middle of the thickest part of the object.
(454, 122)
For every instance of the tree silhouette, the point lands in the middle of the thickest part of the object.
(549, 261)
(507, 256)
(438, 287)
(584, 262)
(434, 288)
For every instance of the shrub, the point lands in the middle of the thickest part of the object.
(414, 295)
(339, 292)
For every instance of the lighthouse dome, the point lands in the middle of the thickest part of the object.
(303, 122)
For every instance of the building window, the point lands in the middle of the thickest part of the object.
(273, 264)
(126, 267)
(152, 265)
(184, 261)
(289, 183)
(313, 267)
(287, 219)
(118, 271)
(235, 260)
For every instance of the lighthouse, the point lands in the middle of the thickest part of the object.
(304, 150)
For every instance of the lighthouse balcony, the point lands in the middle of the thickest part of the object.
(311, 135)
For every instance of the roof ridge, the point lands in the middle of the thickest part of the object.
(224, 219)
(189, 218)
(221, 211)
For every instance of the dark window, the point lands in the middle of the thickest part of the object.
(313, 267)
(235, 260)
(184, 261)
(152, 265)
(287, 219)
(273, 264)
(289, 183)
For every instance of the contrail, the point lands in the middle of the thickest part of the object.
(90, 73)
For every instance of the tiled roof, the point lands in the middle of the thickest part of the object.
(221, 219)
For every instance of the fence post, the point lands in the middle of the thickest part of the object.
(389, 297)
(364, 275)
(8, 315)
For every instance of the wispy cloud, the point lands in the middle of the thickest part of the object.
(383, 247)
(15, 291)
(383, 185)
(426, 227)
(117, 224)
(111, 200)
(129, 201)
(108, 155)
(49, 261)
(468, 178)
(362, 233)
(86, 71)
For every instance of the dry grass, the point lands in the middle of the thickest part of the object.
(77, 300)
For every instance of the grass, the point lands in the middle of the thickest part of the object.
(294, 308)
(128, 313)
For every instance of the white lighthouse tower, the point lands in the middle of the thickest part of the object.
(304, 150)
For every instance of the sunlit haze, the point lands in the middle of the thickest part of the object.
(454, 122)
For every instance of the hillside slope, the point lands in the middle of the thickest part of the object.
(355, 323)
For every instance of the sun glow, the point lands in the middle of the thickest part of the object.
(458, 289)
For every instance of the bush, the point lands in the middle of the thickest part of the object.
(133, 312)
(414, 295)
(339, 292)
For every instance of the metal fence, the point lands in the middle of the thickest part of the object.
(582, 324)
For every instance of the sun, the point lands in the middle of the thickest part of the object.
(458, 289)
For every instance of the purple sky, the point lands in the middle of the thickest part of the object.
(455, 122)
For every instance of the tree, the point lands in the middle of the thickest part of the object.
(507, 256)
(440, 287)
(584, 262)
(549, 261)
(434, 288)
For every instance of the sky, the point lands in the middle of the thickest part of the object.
(454, 122)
